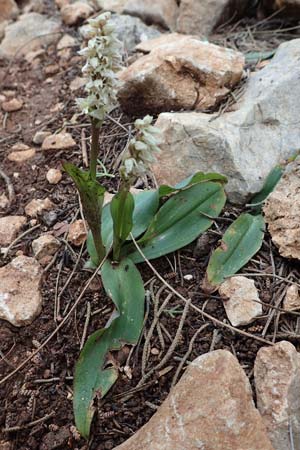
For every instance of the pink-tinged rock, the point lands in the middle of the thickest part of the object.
(12, 105)
(8, 10)
(282, 212)
(242, 303)
(211, 408)
(10, 226)
(159, 12)
(22, 155)
(20, 296)
(37, 206)
(76, 12)
(184, 74)
(44, 247)
(77, 233)
(292, 298)
(277, 381)
(203, 16)
(60, 141)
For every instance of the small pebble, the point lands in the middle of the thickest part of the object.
(54, 176)
(12, 105)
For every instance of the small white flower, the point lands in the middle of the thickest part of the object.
(140, 155)
(103, 54)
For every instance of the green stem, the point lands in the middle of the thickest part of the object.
(117, 242)
(94, 148)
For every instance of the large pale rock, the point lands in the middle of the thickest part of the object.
(277, 381)
(25, 35)
(116, 6)
(287, 8)
(242, 305)
(159, 12)
(186, 73)
(20, 296)
(211, 408)
(282, 212)
(244, 144)
(203, 16)
(10, 226)
(291, 300)
(8, 10)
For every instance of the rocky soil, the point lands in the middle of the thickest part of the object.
(218, 372)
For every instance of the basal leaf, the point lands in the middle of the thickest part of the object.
(199, 177)
(270, 183)
(94, 376)
(240, 243)
(180, 220)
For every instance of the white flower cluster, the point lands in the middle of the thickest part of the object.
(140, 154)
(103, 55)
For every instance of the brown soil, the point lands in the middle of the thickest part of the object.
(43, 388)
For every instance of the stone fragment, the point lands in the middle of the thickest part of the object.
(291, 301)
(211, 408)
(10, 226)
(54, 176)
(246, 144)
(61, 3)
(40, 136)
(8, 10)
(76, 12)
(203, 16)
(164, 39)
(282, 212)
(37, 206)
(116, 6)
(66, 41)
(22, 155)
(77, 233)
(60, 141)
(44, 247)
(277, 382)
(52, 69)
(12, 105)
(77, 83)
(27, 30)
(20, 296)
(4, 201)
(159, 12)
(183, 74)
(242, 304)
(34, 6)
(284, 8)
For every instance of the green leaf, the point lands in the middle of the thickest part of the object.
(199, 177)
(121, 210)
(180, 220)
(145, 207)
(255, 57)
(239, 244)
(270, 183)
(94, 374)
(92, 196)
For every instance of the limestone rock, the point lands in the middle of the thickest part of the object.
(277, 381)
(10, 226)
(116, 6)
(132, 30)
(289, 8)
(66, 41)
(58, 141)
(27, 30)
(164, 39)
(12, 105)
(40, 136)
(8, 10)
(245, 144)
(282, 212)
(21, 155)
(159, 12)
(185, 73)
(44, 247)
(20, 296)
(291, 301)
(54, 176)
(37, 206)
(77, 233)
(76, 12)
(242, 305)
(210, 408)
(203, 16)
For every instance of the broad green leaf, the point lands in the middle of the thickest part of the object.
(121, 210)
(240, 243)
(94, 374)
(199, 177)
(92, 196)
(180, 220)
(270, 183)
(145, 207)
(255, 57)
